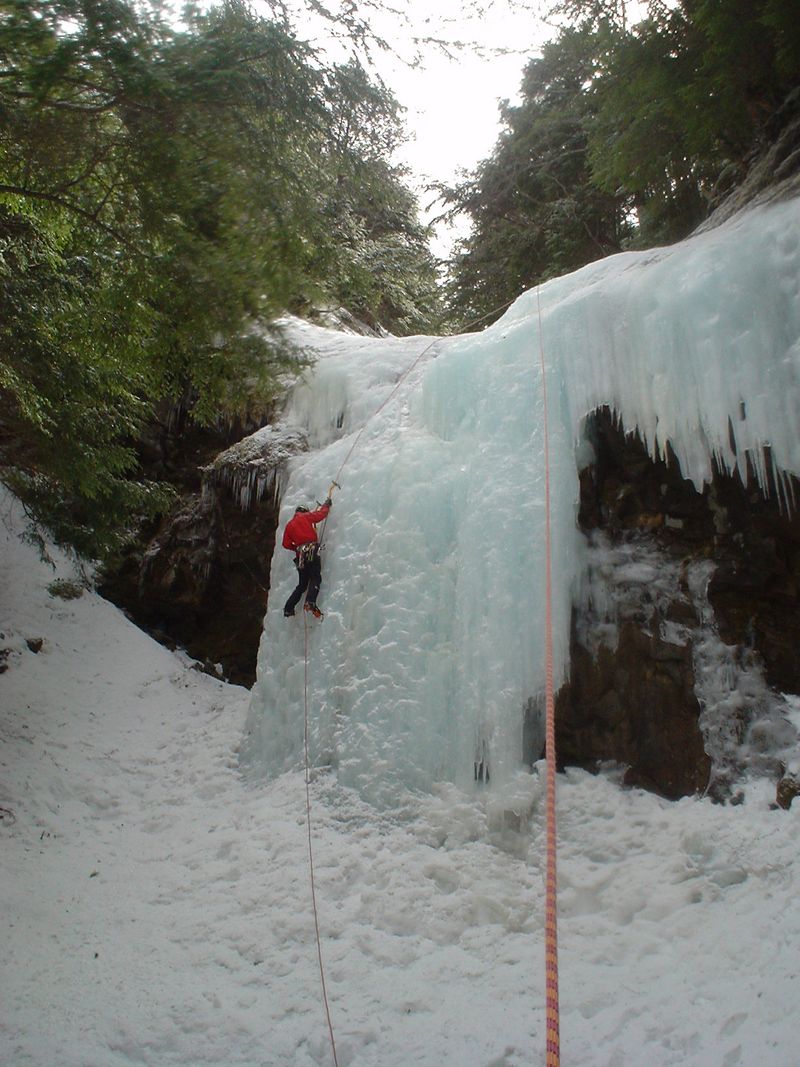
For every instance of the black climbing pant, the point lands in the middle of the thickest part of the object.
(309, 570)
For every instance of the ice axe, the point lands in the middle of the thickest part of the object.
(333, 485)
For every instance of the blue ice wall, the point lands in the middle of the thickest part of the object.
(433, 641)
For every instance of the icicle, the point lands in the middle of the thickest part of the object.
(784, 489)
(250, 469)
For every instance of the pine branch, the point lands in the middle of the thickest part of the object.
(69, 205)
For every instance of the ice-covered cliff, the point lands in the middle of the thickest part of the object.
(432, 645)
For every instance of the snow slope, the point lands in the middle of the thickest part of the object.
(157, 909)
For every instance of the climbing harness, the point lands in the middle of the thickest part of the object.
(553, 1046)
(307, 553)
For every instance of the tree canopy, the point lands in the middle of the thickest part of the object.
(165, 192)
(168, 190)
(625, 136)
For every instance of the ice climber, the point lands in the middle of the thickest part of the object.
(300, 537)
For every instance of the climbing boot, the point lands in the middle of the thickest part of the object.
(314, 610)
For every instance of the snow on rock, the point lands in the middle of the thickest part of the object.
(256, 465)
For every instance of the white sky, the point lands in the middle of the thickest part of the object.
(453, 113)
(452, 104)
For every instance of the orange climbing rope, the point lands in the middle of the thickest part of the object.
(553, 1046)
(311, 849)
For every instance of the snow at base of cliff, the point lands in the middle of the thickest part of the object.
(157, 909)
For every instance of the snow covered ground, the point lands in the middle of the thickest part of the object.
(157, 910)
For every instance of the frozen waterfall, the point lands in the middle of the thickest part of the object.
(433, 574)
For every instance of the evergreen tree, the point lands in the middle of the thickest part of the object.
(159, 203)
(535, 210)
(377, 256)
(626, 136)
(685, 100)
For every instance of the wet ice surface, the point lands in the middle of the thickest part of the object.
(434, 562)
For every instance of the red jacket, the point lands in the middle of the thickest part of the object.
(300, 530)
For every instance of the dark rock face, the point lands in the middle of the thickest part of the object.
(788, 789)
(200, 581)
(199, 578)
(754, 589)
(726, 600)
(635, 706)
